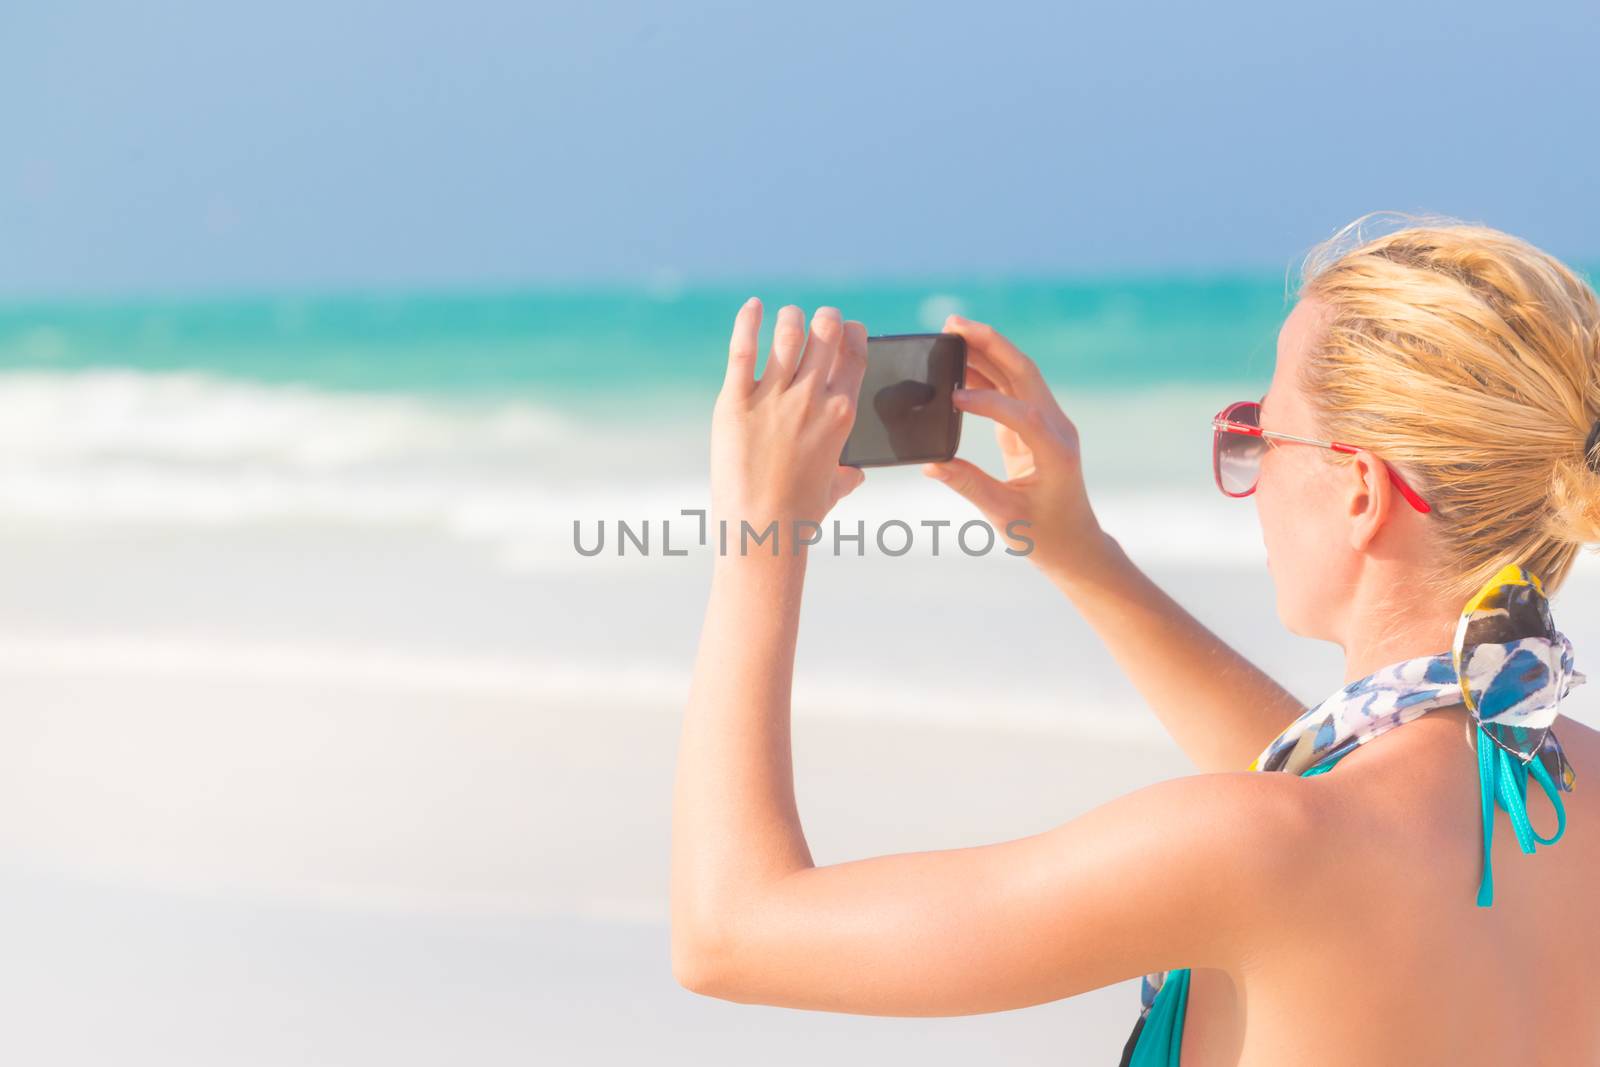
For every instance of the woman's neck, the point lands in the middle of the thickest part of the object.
(1387, 630)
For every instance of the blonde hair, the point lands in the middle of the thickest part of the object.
(1470, 361)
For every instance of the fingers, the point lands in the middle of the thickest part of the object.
(1028, 421)
(816, 362)
(978, 363)
(743, 348)
(845, 481)
(788, 339)
(987, 347)
(976, 379)
(986, 492)
(850, 365)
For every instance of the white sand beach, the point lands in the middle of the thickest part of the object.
(327, 794)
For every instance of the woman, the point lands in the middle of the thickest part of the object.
(1424, 465)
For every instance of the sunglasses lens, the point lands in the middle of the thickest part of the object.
(1237, 455)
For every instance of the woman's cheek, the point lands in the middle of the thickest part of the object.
(1282, 535)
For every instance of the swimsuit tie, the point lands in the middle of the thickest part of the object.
(1503, 779)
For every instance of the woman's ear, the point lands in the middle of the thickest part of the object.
(1371, 495)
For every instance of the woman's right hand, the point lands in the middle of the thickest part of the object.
(1039, 444)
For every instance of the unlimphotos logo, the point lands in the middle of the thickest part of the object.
(893, 537)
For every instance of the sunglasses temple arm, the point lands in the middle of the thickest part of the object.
(1406, 491)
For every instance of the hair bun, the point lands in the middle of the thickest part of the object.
(1575, 494)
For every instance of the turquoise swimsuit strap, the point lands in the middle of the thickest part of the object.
(1160, 1038)
(1503, 779)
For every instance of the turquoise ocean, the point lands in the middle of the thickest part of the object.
(500, 416)
(566, 343)
(503, 416)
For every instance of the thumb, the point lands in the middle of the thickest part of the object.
(846, 480)
(971, 482)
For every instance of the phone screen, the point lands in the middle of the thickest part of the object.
(904, 413)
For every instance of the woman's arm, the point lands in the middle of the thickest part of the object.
(1184, 873)
(1220, 708)
(775, 446)
(1203, 871)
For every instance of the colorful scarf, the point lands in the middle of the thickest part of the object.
(1508, 666)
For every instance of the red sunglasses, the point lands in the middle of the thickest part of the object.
(1238, 442)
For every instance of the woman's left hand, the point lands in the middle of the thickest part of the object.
(776, 441)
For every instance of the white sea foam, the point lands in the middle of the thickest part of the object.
(512, 474)
(192, 419)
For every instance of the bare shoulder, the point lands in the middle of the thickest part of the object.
(1218, 854)
(1577, 738)
(1230, 814)
(1224, 807)
(1581, 743)
(1416, 792)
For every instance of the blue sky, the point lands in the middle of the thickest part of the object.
(166, 147)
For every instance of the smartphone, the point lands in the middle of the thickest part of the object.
(904, 413)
